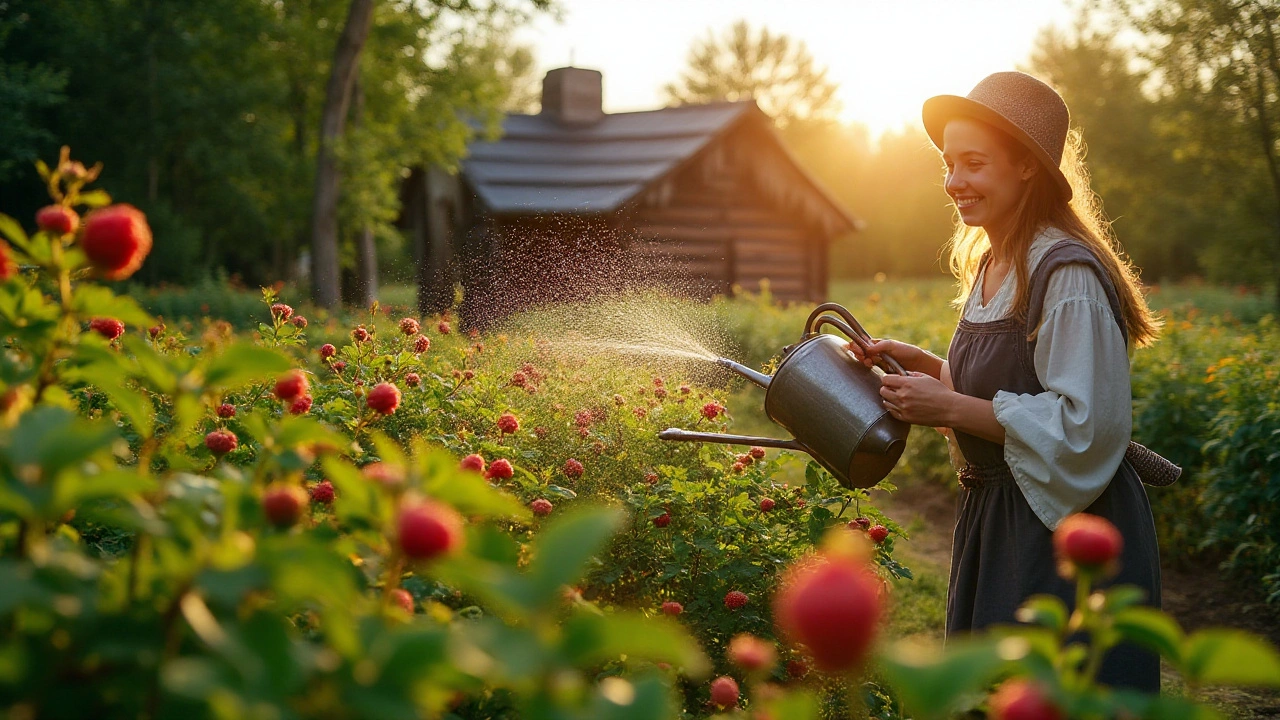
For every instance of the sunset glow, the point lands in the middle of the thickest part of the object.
(886, 55)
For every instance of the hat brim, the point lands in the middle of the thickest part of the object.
(940, 109)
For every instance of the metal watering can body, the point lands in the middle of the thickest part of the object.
(829, 402)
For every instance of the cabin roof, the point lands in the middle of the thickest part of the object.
(541, 166)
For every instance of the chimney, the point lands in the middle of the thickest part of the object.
(573, 96)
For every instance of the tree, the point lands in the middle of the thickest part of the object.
(1219, 64)
(771, 68)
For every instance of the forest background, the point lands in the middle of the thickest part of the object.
(210, 118)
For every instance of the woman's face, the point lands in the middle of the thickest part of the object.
(984, 180)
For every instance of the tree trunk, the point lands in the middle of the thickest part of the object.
(366, 267)
(325, 290)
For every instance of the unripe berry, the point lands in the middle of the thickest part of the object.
(724, 691)
(221, 442)
(109, 328)
(751, 653)
(57, 220)
(1086, 542)
(428, 529)
(282, 504)
(672, 608)
(322, 492)
(500, 470)
(384, 398)
(1020, 699)
(291, 386)
(472, 462)
(226, 410)
(572, 468)
(116, 240)
(401, 598)
(833, 607)
(541, 506)
(735, 599)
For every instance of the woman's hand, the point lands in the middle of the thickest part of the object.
(918, 399)
(909, 356)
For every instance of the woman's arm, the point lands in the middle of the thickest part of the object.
(923, 400)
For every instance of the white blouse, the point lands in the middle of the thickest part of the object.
(1065, 444)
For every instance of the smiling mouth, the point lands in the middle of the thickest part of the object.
(963, 203)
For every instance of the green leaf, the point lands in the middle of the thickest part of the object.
(12, 230)
(1044, 610)
(76, 489)
(590, 639)
(243, 363)
(55, 439)
(95, 198)
(466, 491)
(133, 405)
(561, 552)
(931, 683)
(1151, 629)
(1219, 656)
(644, 698)
(97, 301)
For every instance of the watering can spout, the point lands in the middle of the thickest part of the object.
(756, 377)
(685, 435)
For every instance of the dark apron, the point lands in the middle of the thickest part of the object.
(1002, 553)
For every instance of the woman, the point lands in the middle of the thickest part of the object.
(1035, 390)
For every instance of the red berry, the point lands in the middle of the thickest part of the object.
(422, 344)
(672, 608)
(282, 504)
(724, 691)
(301, 406)
(878, 533)
(833, 607)
(1020, 699)
(662, 520)
(797, 668)
(299, 322)
(582, 418)
(572, 468)
(541, 506)
(339, 366)
(508, 424)
(472, 462)
(1086, 541)
(384, 398)
(409, 326)
(751, 653)
(221, 442)
(864, 523)
(443, 328)
(402, 598)
(468, 374)
(767, 504)
(735, 599)
(501, 470)
(712, 410)
(651, 478)
(322, 492)
(660, 393)
(57, 219)
(226, 410)
(428, 529)
(658, 381)
(8, 266)
(327, 351)
(116, 240)
(156, 331)
(383, 473)
(291, 386)
(360, 334)
(413, 379)
(518, 379)
(757, 452)
(685, 389)
(282, 311)
(640, 413)
(738, 468)
(109, 328)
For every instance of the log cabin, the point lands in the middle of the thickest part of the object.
(573, 200)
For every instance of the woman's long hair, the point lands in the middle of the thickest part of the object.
(1082, 218)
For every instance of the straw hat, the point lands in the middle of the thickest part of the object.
(1030, 111)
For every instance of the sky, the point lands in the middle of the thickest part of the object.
(887, 56)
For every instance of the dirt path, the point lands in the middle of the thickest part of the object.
(1196, 595)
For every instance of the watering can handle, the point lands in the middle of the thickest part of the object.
(853, 330)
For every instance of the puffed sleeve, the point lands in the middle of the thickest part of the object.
(1065, 444)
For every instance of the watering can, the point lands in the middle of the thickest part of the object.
(829, 402)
